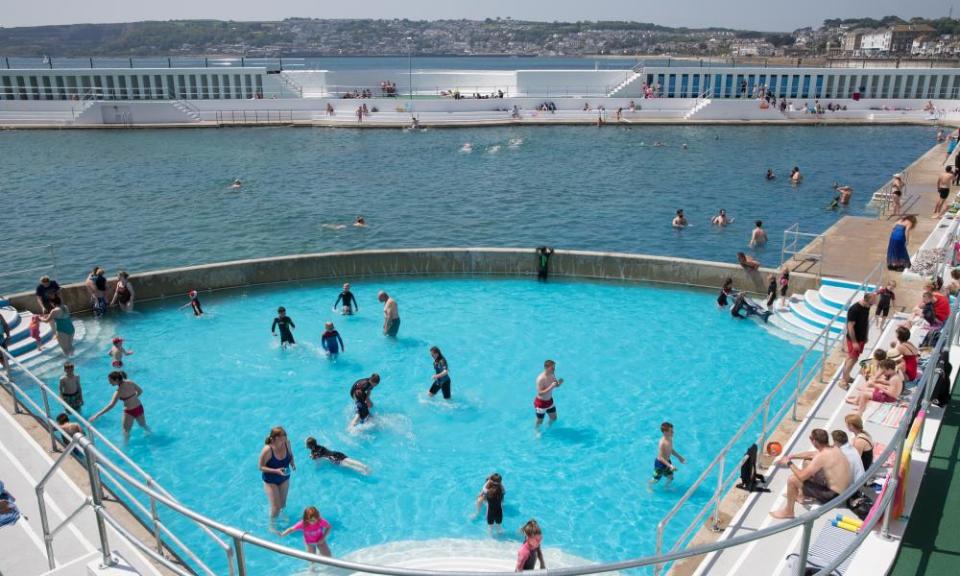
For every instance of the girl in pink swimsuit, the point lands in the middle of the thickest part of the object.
(315, 531)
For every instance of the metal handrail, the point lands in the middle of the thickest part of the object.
(97, 462)
(53, 428)
(790, 246)
(796, 372)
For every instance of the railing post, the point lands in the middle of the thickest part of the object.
(715, 526)
(156, 520)
(796, 399)
(826, 345)
(97, 495)
(804, 548)
(48, 421)
(45, 524)
(763, 427)
(241, 559)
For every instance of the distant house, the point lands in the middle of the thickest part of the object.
(894, 40)
(850, 40)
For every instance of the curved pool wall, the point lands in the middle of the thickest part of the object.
(429, 262)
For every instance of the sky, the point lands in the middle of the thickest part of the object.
(771, 15)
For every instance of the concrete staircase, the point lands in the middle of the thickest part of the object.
(807, 314)
(187, 110)
(623, 85)
(697, 108)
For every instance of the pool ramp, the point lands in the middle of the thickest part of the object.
(22, 552)
(26, 349)
(807, 314)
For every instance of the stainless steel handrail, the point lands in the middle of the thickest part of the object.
(52, 427)
(795, 373)
(98, 462)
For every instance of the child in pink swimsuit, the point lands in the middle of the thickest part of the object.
(315, 531)
(35, 330)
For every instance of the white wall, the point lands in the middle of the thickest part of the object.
(558, 83)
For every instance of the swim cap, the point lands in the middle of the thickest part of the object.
(117, 340)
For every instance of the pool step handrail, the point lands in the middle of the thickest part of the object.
(791, 248)
(47, 418)
(98, 463)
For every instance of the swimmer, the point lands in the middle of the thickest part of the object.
(679, 221)
(236, 184)
(493, 149)
(466, 148)
(845, 192)
(795, 176)
(683, 146)
(194, 303)
(360, 222)
(658, 144)
(726, 292)
(721, 219)
(771, 175)
(349, 302)
(285, 323)
(543, 405)
(662, 465)
(318, 452)
(441, 377)
(334, 226)
(759, 235)
(515, 142)
(414, 123)
(331, 341)
(360, 393)
(117, 352)
(492, 493)
(315, 531)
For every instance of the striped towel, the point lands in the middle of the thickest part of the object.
(886, 414)
(829, 544)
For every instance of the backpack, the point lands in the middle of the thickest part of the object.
(860, 504)
(750, 480)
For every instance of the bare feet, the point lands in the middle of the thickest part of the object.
(781, 514)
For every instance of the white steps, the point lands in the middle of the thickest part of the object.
(808, 314)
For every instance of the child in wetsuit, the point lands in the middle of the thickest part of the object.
(331, 341)
(285, 323)
(194, 303)
(492, 493)
(349, 302)
(886, 297)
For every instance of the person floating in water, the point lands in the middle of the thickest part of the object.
(331, 341)
(771, 175)
(721, 219)
(320, 452)
(360, 222)
(543, 404)
(193, 303)
(742, 303)
(679, 221)
(117, 352)
(543, 261)
(285, 323)
(236, 184)
(347, 300)
(662, 465)
(391, 314)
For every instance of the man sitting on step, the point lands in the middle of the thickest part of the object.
(823, 477)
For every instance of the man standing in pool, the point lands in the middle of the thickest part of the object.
(349, 302)
(543, 403)
(391, 314)
(285, 323)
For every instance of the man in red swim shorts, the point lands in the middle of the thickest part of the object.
(858, 326)
(543, 403)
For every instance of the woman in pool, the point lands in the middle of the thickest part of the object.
(123, 292)
(318, 452)
(129, 393)
(898, 257)
(441, 378)
(315, 531)
(59, 316)
(276, 462)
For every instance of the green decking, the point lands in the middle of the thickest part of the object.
(931, 544)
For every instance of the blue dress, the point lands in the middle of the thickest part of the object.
(898, 258)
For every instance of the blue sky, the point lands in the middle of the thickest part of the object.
(750, 14)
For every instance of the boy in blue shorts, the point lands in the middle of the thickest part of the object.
(662, 466)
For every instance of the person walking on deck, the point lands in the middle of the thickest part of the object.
(943, 190)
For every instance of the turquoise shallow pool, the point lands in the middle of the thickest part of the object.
(632, 356)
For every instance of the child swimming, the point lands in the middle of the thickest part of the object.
(318, 452)
(315, 531)
(117, 352)
(662, 466)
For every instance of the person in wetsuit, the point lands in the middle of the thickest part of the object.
(320, 452)
(331, 341)
(348, 301)
(543, 261)
(360, 393)
(285, 323)
(441, 377)
(726, 292)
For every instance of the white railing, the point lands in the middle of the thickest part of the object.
(99, 464)
(796, 243)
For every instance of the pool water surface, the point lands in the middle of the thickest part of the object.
(632, 356)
